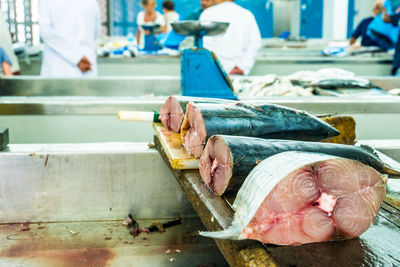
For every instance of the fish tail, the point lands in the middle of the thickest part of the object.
(391, 166)
(233, 232)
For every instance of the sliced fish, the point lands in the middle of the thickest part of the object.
(173, 110)
(264, 121)
(295, 198)
(227, 160)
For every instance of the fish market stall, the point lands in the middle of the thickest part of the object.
(48, 225)
(44, 226)
(217, 213)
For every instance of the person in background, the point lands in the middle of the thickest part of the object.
(5, 63)
(6, 46)
(204, 5)
(361, 30)
(236, 49)
(394, 19)
(69, 29)
(170, 15)
(148, 16)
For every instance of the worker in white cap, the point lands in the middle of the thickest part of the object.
(236, 49)
(11, 64)
(69, 29)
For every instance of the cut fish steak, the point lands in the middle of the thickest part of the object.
(227, 160)
(264, 121)
(173, 110)
(295, 198)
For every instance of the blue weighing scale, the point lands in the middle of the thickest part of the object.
(150, 41)
(202, 73)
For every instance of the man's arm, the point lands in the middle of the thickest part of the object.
(6, 67)
(249, 56)
(65, 49)
(5, 63)
(357, 33)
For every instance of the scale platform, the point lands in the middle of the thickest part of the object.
(199, 28)
(201, 71)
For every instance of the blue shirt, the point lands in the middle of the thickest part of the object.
(396, 60)
(361, 30)
(4, 57)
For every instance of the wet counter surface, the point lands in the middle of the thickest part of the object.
(378, 246)
(108, 243)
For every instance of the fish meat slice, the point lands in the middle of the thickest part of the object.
(295, 198)
(227, 160)
(173, 110)
(204, 120)
(171, 114)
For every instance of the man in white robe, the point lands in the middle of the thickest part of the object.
(236, 49)
(69, 29)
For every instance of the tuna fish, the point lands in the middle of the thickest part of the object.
(344, 83)
(264, 121)
(227, 160)
(173, 110)
(295, 198)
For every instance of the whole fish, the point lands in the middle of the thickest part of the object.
(227, 160)
(295, 198)
(264, 121)
(344, 83)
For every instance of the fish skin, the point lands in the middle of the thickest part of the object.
(184, 100)
(264, 121)
(247, 152)
(344, 83)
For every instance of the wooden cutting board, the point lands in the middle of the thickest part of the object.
(178, 157)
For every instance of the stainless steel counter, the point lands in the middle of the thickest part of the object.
(101, 86)
(64, 204)
(319, 105)
(273, 61)
(89, 115)
(93, 119)
(116, 86)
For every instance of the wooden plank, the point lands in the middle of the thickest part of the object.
(346, 126)
(216, 214)
(178, 157)
(393, 193)
(377, 246)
